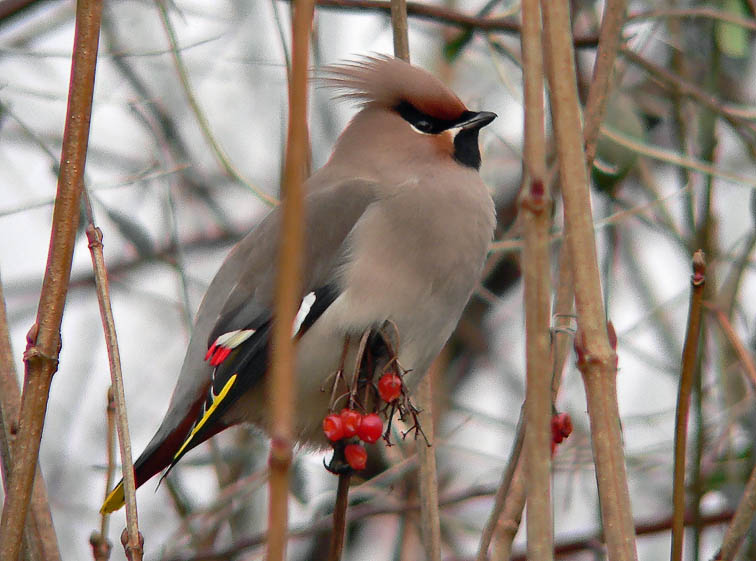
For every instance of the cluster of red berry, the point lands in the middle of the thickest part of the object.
(368, 428)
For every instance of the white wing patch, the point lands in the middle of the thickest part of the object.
(304, 309)
(225, 343)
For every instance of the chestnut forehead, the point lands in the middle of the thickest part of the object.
(448, 109)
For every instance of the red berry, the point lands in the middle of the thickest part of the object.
(561, 427)
(371, 428)
(352, 420)
(389, 387)
(356, 456)
(333, 427)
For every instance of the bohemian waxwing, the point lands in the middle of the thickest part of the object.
(398, 224)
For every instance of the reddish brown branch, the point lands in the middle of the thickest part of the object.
(535, 212)
(41, 356)
(339, 518)
(597, 359)
(688, 369)
(40, 541)
(287, 293)
(134, 540)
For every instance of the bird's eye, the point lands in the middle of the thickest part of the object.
(423, 126)
(420, 121)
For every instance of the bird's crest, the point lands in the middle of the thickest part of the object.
(387, 81)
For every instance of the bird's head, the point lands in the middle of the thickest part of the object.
(405, 104)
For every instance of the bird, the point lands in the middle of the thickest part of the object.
(398, 225)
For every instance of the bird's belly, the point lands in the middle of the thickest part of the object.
(422, 331)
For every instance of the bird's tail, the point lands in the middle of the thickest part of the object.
(160, 453)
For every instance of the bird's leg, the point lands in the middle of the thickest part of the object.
(357, 366)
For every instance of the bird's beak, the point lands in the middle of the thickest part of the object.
(474, 121)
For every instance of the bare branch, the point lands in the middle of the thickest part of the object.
(281, 384)
(41, 356)
(688, 371)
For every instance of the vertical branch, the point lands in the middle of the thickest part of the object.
(339, 518)
(511, 513)
(134, 541)
(611, 26)
(40, 541)
(596, 357)
(101, 545)
(565, 292)
(535, 208)
(430, 520)
(288, 287)
(41, 356)
(401, 28)
(687, 374)
(609, 42)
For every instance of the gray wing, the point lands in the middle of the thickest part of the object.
(240, 297)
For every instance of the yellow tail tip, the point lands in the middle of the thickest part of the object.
(114, 500)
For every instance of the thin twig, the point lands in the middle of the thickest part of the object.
(509, 519)
(687, 373)
(101, 546)
(287, 292)
(430, 518)
(674, 158)
(738, 118)
(740, 525)
(610, 37)
(695, 12)
(597, 358)
(41, 356)
(743, 354)
(94, 236)
(339, 518)
(502, 492)
(446, 16)
(204, 124)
